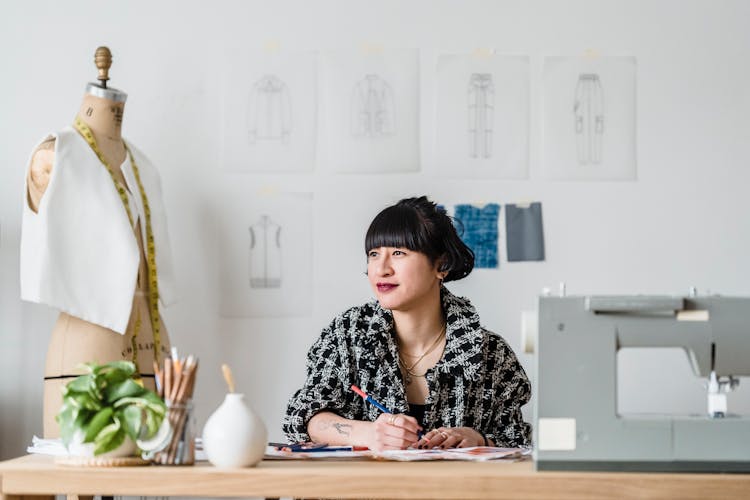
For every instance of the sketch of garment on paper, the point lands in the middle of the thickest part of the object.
(481, 106)
(265, 254)
(373, 108)
(269, 111)
(588, 110)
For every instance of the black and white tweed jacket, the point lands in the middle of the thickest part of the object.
(478, 382)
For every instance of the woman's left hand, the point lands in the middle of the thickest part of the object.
(450, 437)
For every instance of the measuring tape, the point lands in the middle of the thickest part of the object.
(153, 295)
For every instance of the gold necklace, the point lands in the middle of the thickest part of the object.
(409, 370)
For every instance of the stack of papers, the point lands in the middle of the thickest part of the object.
(53, 447)
(474, 454)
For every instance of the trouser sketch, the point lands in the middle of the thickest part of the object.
(588, 110)
(265, 254)
(481, 107)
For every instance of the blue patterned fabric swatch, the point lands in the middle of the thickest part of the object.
(480, 232)
(524, 232)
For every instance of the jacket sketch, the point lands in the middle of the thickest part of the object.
(373, 109)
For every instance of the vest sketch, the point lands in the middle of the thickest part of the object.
(588, 110)
(265, 254)
(373, 110)
(269, 111)
(481, 107)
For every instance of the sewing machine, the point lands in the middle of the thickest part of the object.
(577, 426)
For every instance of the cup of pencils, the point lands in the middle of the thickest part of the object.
(174, 444)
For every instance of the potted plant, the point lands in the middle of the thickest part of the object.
(106, 411)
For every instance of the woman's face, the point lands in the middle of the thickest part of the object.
(401, 278)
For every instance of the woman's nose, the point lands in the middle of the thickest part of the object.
(384, 266)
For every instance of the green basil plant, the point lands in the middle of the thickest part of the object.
(106, 404)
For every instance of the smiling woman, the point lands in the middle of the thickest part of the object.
(417, 348)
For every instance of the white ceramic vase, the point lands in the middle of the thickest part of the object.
(234, 436)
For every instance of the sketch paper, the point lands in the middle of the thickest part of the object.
(589, 118)
(482, 116)
(265, 255)
(269, 111)
(370, 110)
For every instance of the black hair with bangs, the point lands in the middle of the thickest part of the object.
(421, 226)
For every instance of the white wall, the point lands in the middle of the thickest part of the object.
(682, 224)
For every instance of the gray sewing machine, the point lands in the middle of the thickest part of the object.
(576, 422)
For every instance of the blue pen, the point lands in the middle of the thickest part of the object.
(370, 400)
(376, 404)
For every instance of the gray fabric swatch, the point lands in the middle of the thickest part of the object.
(524, 232)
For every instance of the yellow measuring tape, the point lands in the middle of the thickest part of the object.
(153, 295)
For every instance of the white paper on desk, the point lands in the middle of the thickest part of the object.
(472, 454)
(53, 447)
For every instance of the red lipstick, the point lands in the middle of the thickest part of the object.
(386, 287)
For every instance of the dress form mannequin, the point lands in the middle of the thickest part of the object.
(74, 340)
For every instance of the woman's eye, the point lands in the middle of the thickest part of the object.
(372, 254)
(398, 252)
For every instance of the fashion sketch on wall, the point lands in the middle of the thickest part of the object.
(482, 116)
(269, 111)
(370, 105)
(588, 109)
(264, 252)
(481, 113)
(589, 118)
(373, 108)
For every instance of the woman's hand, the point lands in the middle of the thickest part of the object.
(392, 432)
(451, 437)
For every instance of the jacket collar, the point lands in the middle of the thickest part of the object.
(464, 334)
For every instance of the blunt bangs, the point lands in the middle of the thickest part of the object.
(399, 227)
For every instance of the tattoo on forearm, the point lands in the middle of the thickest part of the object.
(343, 429)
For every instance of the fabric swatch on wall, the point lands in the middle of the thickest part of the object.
(524, 232)
(480, 232)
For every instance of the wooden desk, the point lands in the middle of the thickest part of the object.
(37, 475)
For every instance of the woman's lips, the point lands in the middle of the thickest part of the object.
(385, 287)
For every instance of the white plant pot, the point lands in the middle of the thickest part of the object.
(234, 436)
(77, 448)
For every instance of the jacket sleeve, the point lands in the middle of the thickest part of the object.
(324, 388)
(512, 390)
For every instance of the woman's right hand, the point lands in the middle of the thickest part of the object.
(392, 432)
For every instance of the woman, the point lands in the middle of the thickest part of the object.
(419, 350)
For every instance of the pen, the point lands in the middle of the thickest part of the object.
(370, 400)
(336, 448)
